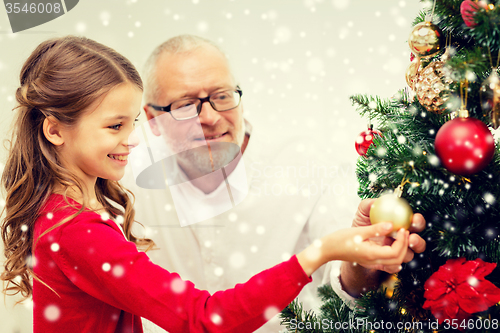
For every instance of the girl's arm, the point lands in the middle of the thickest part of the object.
(99, 261)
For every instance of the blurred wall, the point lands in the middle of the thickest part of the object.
(297, 61)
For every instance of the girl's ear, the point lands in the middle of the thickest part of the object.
(52, 131)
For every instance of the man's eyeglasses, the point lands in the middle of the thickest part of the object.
(189, 108)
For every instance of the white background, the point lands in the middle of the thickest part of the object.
(297, 61)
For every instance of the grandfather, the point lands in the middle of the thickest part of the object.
(219, 184)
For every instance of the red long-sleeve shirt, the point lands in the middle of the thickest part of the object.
(104, 284)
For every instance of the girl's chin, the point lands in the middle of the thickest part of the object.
(115, 177)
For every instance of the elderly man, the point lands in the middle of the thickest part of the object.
(242, 204)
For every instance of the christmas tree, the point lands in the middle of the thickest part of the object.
(434, 142)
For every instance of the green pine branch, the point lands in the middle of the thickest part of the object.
(462, 213)
(297, 320)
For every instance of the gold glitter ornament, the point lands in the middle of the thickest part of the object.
(390, 285)
(490, 98)
(426, 39)
(392, 208)
(432, 87)
(412, 71)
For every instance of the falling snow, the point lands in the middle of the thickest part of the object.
(105, 17)
(433, 160)
(489, 198)
(202, 26)
(118, 271)
(216, 319)
(52, 313)
(472, 281)
(219, 271)
(81, 27)
(270, 312)
(381, 152)
(178, 286)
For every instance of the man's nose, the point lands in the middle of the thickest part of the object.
(208, 115)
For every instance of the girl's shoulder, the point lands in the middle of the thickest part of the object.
(59, 208)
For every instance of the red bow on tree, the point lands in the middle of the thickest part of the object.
(459, 289)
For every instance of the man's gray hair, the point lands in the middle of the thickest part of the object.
(175, 45)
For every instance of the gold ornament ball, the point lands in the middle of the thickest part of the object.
(390, 208)
(390, 285)
(426, 39)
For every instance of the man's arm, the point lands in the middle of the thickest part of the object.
(356, 279)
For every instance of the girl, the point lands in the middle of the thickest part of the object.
(65, 211)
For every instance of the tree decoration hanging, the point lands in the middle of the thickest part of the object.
(431, 83)
(468, 9)
(391, 207)
(431, 86)
(365, 139)
(426, 39)
(464, 145)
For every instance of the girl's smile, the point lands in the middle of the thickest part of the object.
(99, 145)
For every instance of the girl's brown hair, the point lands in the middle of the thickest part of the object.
(60, 79)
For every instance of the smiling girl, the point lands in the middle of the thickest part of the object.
(67, 227)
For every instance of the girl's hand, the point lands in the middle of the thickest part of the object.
(356, 245)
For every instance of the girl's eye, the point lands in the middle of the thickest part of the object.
(116, 127)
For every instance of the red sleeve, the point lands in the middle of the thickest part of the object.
(112, 270)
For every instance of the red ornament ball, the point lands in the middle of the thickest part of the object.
(468, 9)
(364, 140)
(465, 146)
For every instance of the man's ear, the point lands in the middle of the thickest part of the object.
(52, 131)
(151, 120)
